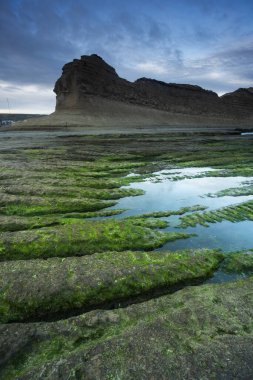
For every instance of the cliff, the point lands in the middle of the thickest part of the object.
(91, 77)
(90, 92)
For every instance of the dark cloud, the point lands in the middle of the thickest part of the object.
(238, 61)
(47, 34)
(184, 41)
(33, 42)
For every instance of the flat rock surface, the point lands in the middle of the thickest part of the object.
(198, 332)
(202, 332)
(42, 288)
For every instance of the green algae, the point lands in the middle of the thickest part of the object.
(75, 187)
(185, 329)
(239, 262)
(20, 223)
(151, 222)
(93, 214)
(10, 223)
(29, 221)
(181, 211)
(69, 192)
(38, 288)
(234, 213)
(228, 158)
(234, 191)
(54, 206)
(83, 238)
(61, 178)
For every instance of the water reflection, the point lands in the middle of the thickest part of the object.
(163, 192)
(167, 194)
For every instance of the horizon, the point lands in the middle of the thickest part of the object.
(204, 43)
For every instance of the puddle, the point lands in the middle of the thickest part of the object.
(225, 235)
(220, 277)
(163, 193)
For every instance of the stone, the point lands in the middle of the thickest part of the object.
(201, 332)
(36, 289)
(91, 77)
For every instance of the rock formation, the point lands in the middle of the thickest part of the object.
(92, 76)
(91, 80)
(90, 93)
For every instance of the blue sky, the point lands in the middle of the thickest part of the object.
(209, 43)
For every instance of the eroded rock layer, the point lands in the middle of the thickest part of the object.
(89, 82)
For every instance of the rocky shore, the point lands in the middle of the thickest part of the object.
(86, 293)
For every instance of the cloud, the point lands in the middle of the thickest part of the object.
(207, 42)
(26, 98)
(151, 67)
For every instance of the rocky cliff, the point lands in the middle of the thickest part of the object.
(90, 93)
(91, 79)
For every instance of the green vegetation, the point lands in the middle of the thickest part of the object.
(83, 238)
(234, 191)
(60, 192)
(189, 325)
(234, 213)
(36, 288)
(239, 262)
(77, 192)
(181, 211)
(20, 223)
(54, 206)
(56, 262)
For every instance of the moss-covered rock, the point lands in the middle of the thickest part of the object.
(84, 238)
(48, 191)
(37, 288)
(235, 191)
(233, 213)
(37, 206)
(202, 332)
(181, 211)
(239, 262)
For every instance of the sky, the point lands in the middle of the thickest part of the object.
(203, 42)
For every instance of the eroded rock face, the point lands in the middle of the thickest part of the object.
(91, 76)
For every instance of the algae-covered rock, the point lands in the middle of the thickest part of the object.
(38, 206)
(234, 191)
(240, 262)
(83, 238)
(10, 223)
(233, 213)
(37, 288)
(202, 332)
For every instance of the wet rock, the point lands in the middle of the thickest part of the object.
(81, 237)
(198, 332)
(46, 288)
(240, 262)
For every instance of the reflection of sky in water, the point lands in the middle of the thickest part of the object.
(162, 193)
(226, 235)
(167, 194)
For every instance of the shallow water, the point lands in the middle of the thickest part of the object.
(163, 193)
